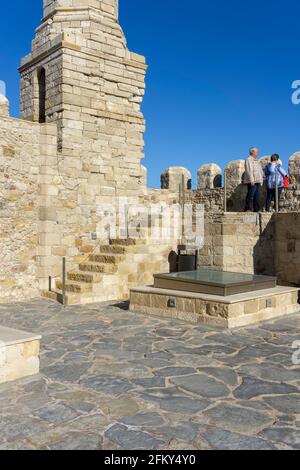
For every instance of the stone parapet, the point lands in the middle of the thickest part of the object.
(174, 178)
(209, 176)
(4, 106)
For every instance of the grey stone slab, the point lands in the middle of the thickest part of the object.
(66, 372)
(175, 347)
(288, 436)
(143, 419)
(226, 440)
(107, 384)
(226, 375)
(170, 332)
(202, 385)
(151, 382)
(251, 388)
(78, 441)
(250, 354)
(216, 350)
(17, 427)
(81, 406)
(238, 419)
(269, 371)
(17, 445)
(125, 369)
(185, 431)
(285, 403)
(277, 327)
(33, 401)
(170, 399)
(132, 440)
(232, 340)
(76, 356)
(56, 414)
(95, 422)
(174, 371)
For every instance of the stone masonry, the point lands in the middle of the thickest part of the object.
(79, 147)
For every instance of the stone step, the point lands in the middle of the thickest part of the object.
(106, 259)
(92, 267)
(84, 299)
(70, 299)
(113, 249)
(75, 287)
(91, 278)
(126, 241)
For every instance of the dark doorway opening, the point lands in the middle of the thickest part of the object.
(42, 95)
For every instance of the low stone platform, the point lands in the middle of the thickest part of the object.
(228, 312)
(19, 354)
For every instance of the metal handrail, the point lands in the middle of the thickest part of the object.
(64, 274)
(225, 191)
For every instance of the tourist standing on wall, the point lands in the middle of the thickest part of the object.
(272, 171)
(254, 178)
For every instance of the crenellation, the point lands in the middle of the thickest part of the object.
(209, 176)
(4, 106)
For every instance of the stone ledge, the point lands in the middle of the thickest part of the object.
(230, 299)
(10, 336)
(19, 354)
(231, 312)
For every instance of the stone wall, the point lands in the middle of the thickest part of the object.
(288, 248)
(240, 243)
(267, 244)
(23, 243)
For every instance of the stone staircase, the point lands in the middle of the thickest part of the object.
(111, 272)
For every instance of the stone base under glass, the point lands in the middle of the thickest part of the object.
(228, 312)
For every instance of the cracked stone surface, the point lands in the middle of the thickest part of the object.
(111, 379)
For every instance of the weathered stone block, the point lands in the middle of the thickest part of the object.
(19, 354)
(251, 307)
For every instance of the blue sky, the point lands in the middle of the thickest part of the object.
(219, 77)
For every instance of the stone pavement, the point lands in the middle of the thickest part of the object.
(111, 379)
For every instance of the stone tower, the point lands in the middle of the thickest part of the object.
(81, 76)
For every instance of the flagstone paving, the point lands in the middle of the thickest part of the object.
(111, 379)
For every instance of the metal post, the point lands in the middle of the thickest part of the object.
(50, 284)
(225, 191)
(64, 281)
(276, 192)
(196, 260)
